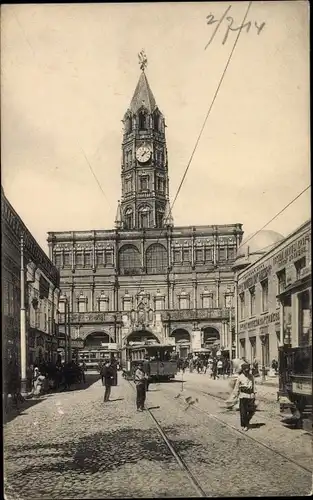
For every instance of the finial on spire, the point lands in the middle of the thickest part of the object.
(143, 61)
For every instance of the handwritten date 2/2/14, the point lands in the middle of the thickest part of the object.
(230, 26)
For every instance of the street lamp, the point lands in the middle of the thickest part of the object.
(67, 347)
(23, 322)
(262, 338)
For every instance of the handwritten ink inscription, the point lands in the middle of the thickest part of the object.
(227, 23)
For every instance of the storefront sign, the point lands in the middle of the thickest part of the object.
(260, 321)
(259, 274)
(291, 252)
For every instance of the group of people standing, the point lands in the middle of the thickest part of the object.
(42, 377)
(215, 366)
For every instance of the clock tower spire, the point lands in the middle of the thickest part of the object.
(145, 192)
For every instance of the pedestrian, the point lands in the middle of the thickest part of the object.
(219, 368)
(107, 377)
(255, 368)
(140, 381)
(191, 365)
(245, 391)
(147, 370)
(38, 383)
(214, 369)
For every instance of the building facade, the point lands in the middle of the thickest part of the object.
(273, 293)
(146, 278)
(41, 291)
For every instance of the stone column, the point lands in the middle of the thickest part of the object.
(195, 286)
(173, 297)
(217, 283)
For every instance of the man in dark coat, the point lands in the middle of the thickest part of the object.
(107, 377)
(147, 371)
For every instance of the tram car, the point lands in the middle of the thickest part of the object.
(161, 357)
(295, 381)
(94, 357)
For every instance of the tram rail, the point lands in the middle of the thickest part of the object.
(238, 431)
(178, 458)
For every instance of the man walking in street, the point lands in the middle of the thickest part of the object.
(107, 378)
(147, 371)
(140, 381)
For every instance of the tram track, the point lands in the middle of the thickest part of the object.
(248, 436)
(178, 458)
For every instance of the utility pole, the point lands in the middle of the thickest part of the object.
(65, 332)
(23, 322)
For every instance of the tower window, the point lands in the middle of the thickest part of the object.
(156, 122)
(160, 185)
(128, 186)
(159, 218)
(144, 220)
(143, 183)
(143, 119)
(128, 218)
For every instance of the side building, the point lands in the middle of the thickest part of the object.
(274, 295)
(41, 292)
(147, 279)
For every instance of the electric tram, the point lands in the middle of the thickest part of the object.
(93, 357)
(161, 357)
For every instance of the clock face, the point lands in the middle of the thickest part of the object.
(143, 154)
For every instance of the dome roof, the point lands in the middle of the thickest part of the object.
(253, 247)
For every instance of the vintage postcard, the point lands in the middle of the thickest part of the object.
(156, 250)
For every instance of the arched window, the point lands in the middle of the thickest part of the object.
(144, 217)
(143, 120)
(130, 262)
(129, 218)
(156, 258)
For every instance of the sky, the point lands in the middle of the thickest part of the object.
(68, 73)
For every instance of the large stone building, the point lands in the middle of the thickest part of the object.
(41, 291)
(147, 278)
(274, 293)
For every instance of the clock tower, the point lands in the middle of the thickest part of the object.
(145, 194)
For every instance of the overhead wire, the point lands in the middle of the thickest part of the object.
(202, 129)
(279, 213)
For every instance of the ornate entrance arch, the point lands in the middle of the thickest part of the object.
(182, 341)
(140, 336)
(96, 339)
(211, 336)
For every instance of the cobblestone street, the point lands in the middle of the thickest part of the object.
(72, 445)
